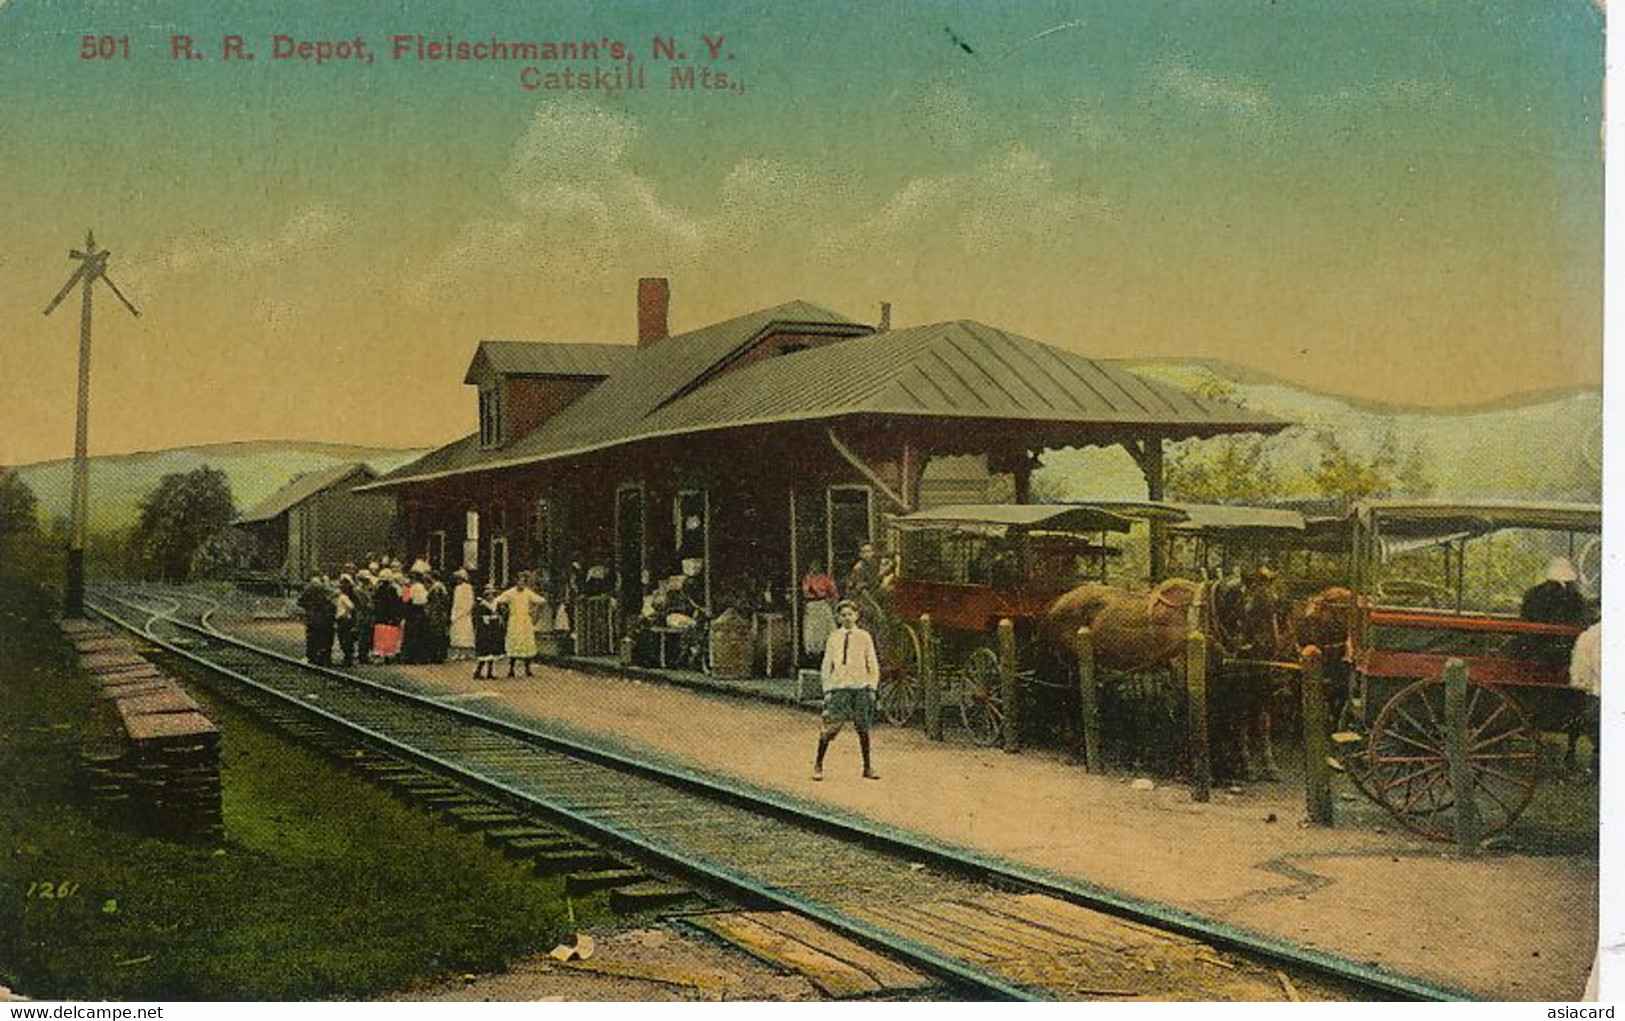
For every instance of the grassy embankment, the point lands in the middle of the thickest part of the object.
(324, 888)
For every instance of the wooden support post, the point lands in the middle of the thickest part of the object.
(1007, 683)
(930, 689)
(1196, 693)
(797, 653)
(1462, 784)
(1088, 703)
(1317, 776)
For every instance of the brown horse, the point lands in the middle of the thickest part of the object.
(1326, 620)
(1242, 618)
(1131, 630)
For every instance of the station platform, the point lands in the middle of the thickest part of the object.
(1504, 926)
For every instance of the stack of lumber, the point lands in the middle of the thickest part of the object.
(155, 765)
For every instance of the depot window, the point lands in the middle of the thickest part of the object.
(491, 417)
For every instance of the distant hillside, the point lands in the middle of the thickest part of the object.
(1195, 371)
(255, 469)
(1535, 446)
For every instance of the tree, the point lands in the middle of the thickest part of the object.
(1345, 476)
(1393, 470)
(18, 507)
(1229, 469)
(1225, 469)
(226, 554)
(176, 519)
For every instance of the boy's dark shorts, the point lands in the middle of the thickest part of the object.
(855, 704)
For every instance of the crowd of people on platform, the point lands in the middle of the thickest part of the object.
(387, 613)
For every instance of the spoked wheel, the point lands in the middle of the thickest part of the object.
(1408, 773)
(900, 680)
(981, 692)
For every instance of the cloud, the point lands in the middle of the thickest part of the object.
(916, 204)
(569, 169)
(1394, 93)
(316, 227)
(566, 144)
(1011, 198)
(1417, 91)
(949, 117)
(1088, 125)
(574, 204)
(1235, 96)
(1015, 198)
(483, 242)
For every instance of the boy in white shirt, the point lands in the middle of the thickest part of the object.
(851, 674)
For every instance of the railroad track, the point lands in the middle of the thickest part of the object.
(990, 929)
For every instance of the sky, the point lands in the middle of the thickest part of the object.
(1399, 201)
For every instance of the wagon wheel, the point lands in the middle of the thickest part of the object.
(900, 679)
(1589, 565)
(1407, 770)
(981, 690)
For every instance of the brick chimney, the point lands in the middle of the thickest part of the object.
(885, 317)
(654, 298)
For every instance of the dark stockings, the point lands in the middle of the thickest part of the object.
(828, 735)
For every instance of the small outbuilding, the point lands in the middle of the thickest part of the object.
(315, 522)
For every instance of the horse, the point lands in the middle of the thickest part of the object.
(1326, 620)
(1243, 618)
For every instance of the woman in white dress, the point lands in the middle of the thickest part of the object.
(521, 602)
(462, 617)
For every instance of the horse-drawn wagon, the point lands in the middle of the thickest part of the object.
(969, 567)
(1438, 583)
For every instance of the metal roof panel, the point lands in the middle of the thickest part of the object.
(302, 488)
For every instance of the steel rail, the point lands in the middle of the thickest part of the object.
(955, 971)
(965, 861)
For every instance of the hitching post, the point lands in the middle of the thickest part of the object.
(930, 690)
(1007, 683)
(1317, 775)
(1196, 690)
(1456, 753)
(1088, 703)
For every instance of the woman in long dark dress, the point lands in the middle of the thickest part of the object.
(490, 632)
(438, 614)
(415, 599)
(387, 614)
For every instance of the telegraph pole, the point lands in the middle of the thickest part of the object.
(92, 267)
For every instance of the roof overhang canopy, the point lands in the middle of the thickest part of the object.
(1441, 521)
(1219, 519)
(999, 519)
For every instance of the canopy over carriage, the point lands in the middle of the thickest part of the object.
(970, 566)
(1438, 582)
(1310, 551)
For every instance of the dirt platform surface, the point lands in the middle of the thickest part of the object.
(661, 962)
(1503, 926)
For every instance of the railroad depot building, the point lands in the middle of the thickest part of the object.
(749, 450)
(316, 520)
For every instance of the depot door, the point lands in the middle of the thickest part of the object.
(629, 564)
